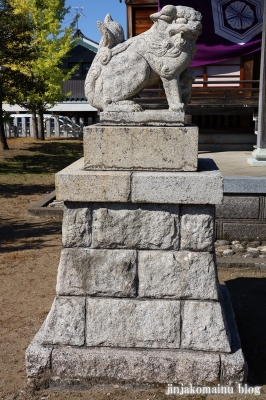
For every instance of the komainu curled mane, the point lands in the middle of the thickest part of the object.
(121, 69)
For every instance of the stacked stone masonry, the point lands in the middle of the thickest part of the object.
(136, 281)
(137, 295)
(241, 217)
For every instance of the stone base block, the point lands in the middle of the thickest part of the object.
(259, 154)
(60, 365)
(253, 162)
(139, 148)
(89, 368)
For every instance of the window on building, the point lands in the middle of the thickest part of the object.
(81, 68)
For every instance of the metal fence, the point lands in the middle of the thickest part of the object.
(54, 126)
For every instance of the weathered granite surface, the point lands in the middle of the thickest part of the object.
(97, 273)
(180, 187)
(177, 275)
(136, 227)
(204, 327)
(38, 359)
(158, 118)
(147, 148)
(65, 322)
(139, 226)
(205, 186)
(120, 70)
(76, 184)
(87, 367)
(135, 366)
(133, 323)
(76, 225)
(197, 228)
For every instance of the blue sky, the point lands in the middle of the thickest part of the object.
(96, 10)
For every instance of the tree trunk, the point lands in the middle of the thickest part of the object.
(34, 125)
(3, 140)
(40, 125)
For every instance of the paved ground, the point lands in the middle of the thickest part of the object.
(234, 163)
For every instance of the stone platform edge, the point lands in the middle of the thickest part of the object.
(89, 368)
(157, 118)
(204, 186)
(41, 209)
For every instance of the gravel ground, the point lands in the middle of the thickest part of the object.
(244, 249)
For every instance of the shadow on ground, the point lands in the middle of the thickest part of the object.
(8, 190)
(248, 297)
(47, 157)
(21, 235)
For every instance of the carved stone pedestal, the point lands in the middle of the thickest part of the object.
(137, 296)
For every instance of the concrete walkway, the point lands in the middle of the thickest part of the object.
(234, 163)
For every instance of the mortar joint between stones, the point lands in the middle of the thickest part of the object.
(130, 187)
(137, 273)
(181, 321)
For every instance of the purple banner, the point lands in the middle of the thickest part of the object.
(231, 28)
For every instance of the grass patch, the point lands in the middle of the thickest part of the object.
(27, 157)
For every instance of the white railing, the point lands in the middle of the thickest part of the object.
(54, 126)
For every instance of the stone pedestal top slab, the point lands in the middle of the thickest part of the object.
(76, 184)
(204, 186)
(141, 148)
(143, 118)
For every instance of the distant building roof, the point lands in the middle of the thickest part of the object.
(85, 42)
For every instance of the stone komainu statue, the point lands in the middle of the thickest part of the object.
(121, 69)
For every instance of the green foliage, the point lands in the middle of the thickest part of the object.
(53, 43)
(16, 38)
(16, 51)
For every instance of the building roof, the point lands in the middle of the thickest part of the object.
(85, 42)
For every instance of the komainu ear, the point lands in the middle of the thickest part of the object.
(167, 13)
(115, 28)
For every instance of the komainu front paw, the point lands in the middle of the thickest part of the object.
(178, 108)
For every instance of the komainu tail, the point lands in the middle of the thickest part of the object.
(112, 33)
